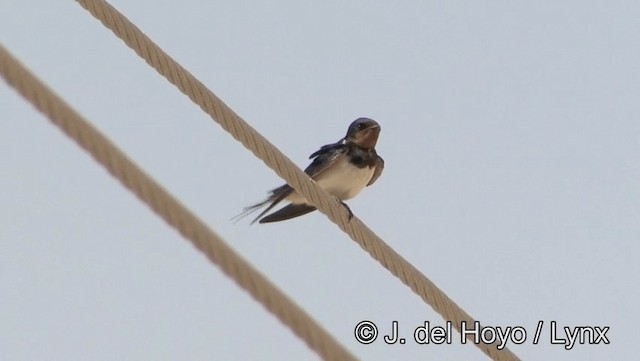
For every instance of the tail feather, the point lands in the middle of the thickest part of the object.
(277, 195)
(291, 211)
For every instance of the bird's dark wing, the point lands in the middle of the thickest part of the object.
(291, 211)
(325, 157)
(378, 170)
(327, 148)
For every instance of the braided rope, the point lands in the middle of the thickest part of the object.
(167, 207)
(273, 158)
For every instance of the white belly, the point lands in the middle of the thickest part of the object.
(342, 180)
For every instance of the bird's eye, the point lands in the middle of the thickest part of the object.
(361, 126)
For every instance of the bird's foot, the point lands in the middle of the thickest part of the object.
(348, 209)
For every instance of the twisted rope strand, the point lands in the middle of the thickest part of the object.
(274, 159)
(169, 209)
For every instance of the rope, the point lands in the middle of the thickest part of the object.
(285, 168)
(167, 207)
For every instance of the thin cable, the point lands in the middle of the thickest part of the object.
(285, 168)
(167, 207)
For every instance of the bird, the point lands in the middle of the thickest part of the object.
(343, 169)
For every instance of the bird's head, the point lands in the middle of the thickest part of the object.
(363, 132)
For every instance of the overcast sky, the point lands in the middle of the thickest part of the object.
(510, 131)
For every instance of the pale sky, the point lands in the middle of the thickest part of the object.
(510, 131)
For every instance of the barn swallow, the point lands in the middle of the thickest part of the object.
(343, 169)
